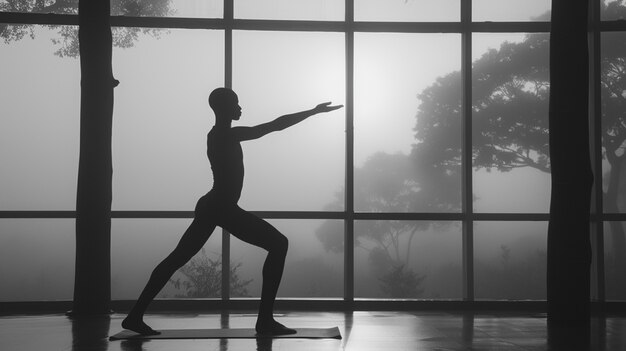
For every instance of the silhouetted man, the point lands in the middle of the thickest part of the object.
(219, 208)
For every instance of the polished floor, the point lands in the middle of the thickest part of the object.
(360, 330)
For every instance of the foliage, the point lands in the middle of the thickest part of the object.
(613, 70)
(202, 278)
(312, 276)
(505, 255)
(613, 87)
(614, 10)
(402, 282)
(385, 182)
(510, 94)
(513, 279)
(510, 98)
(510, 106)
(67, 39)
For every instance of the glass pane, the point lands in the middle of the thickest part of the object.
(162, 118)
(511, 10)
(39, 129)
(510, 92)
(138, 245)
(615, 260)
(407, 10)
(314, 264)
(37, 259)
(612, 10)
(613, 82)
(276, 73)
(168, 8)
(407, 259)
(510, 260)
(407, 123)
(321, 10)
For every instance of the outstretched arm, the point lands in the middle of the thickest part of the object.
(280, 123)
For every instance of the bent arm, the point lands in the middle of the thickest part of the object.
(280, 123)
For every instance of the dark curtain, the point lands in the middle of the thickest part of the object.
(569, 248)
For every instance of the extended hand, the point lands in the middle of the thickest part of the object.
(325, 107)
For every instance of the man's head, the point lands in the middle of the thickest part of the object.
(225, 104)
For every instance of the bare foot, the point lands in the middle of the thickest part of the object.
(138, 326)
(272, 327)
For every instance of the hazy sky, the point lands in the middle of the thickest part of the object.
(161, 120)
(367, 10)
(161, 115)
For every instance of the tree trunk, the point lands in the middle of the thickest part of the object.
(92, 286)
(569, 248)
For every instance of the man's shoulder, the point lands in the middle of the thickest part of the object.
(220, 135)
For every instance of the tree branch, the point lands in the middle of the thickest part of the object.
(408, 248)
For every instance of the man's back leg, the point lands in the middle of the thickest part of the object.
(191, 242)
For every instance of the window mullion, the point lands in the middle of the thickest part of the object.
(466, 186)
(228, 83)
(349, 186)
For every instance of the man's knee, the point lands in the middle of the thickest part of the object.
(175, 260)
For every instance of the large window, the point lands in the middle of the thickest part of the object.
(161, 118)
(279, 72)
(432, 183)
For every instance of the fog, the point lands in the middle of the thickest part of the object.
(161, 119)
(366, 10)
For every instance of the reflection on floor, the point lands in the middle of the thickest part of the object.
(360, 330)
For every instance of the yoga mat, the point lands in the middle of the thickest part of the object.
(236, 333)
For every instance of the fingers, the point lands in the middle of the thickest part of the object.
(333, 108)
(327, 104)
(326, 107)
